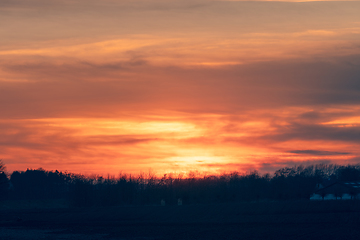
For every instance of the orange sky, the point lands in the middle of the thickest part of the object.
(176, 86)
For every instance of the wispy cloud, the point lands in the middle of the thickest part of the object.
(317, 152)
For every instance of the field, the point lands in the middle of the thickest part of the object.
(257, 220)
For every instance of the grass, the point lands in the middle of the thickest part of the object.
(33, 204)
(253, 220)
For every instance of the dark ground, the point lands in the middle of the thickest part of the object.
(262, 220)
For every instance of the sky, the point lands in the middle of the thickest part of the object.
(120, 86)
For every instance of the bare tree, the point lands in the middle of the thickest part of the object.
(3, 180)
(2, 166)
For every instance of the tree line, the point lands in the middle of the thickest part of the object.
(288, 183)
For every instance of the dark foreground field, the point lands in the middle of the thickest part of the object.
(262, 220)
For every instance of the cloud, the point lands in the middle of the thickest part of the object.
(48, 140)
(82, 88)
(317, 132)
(318, 153)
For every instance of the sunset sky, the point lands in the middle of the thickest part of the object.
(110, 86)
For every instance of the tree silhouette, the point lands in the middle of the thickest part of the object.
(2, 166)
(4, 181)
(290, 183)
